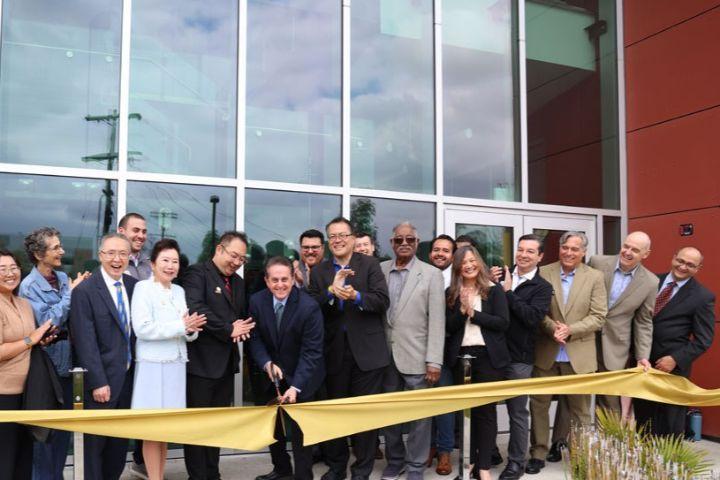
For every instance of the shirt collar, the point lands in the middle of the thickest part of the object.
(109, 281)
(566, 275)
(631, 272)
(408, 266)
(528, 276)
(276, 301)
(669, 278)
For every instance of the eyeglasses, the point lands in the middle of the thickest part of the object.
(339, 236)
(116, 253)
(400, 240)
(241, 259)
(689, 265)
(9, 271)
(311, 247)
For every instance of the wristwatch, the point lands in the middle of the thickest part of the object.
(28, 341)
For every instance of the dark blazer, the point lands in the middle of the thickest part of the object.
(98, 337)
(205, 293)
(298, 348)
(684, 328)
(363, 323)
(528, 305)
(494, 321)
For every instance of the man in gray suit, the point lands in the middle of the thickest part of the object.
(631, 289)
(415, 329)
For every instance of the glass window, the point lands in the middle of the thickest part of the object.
(185, 213)
(392, 129)
(293, 91)
(378, 216)
(611, 235)
(495, 243)
(572, 103)
(183, 75)
(480, 158)
(60, 82)
(82, 209)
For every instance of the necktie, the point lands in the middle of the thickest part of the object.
(278, 315)
(122, 313)
(663, 298)
(227, 284)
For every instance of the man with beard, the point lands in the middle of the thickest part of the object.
(312, 251)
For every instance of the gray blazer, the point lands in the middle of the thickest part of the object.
(415, 329)
(630, 317)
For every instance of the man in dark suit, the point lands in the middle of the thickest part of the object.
(529, 296)
(287, 344)
(683, 328)
(214, 289)
(353, 295)
(103, 341)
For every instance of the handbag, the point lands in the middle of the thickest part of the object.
(42, 390)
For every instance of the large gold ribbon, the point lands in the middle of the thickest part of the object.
(251, 428)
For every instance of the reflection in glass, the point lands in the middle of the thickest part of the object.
(78, 207)
(378, 216)
(184, 213)
(60, 64)
(494, 243)
(611, 235)
(392, 131)
(183, 75)
(293, 91)
(572, 103)
(480, 159)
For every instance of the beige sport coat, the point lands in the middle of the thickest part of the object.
(415, 327)
(584, 312)
(631, 316)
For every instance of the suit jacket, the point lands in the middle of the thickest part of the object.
(213, 352)
(528, 304)
(584, 312)
(98, 336)
(298, 347)
(684, 328)
(493, 321)
(415, 329)
(630, 317)
(362, 324)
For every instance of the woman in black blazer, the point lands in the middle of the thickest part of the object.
(476, 319)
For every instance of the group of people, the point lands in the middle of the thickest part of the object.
(342, 325)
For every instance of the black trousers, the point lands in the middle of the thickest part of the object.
(660, 418)
(105, 456)
(483, 419)
(202, 463)
(16, 445)
(350, 381)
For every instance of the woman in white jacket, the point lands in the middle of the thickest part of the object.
(162, 326)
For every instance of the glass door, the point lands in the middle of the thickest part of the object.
(551, 228)
(494, 234)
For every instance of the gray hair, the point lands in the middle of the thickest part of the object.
(572, 233)
(36, 243)
(406, 223)
(110, 235)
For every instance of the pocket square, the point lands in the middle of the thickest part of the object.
(217, 290)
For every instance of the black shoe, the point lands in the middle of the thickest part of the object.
(512, 471)
(275, 476)
(555, 453)
(330, 475)
(496, 458)
(534, 466)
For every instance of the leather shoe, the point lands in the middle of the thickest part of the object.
(513, 471)
(330, 475)
(496, 458)
(444, 467)
(431, 456)
(534, 466)
(274, 476)
(555, 453)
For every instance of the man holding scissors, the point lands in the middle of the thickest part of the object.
(288, 345)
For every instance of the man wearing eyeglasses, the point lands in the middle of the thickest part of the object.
(683, 328)
(415, 330)
(312, 251)
(353, 296)
(214, 289)
(103, 341)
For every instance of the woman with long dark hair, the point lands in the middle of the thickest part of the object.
(476, 319)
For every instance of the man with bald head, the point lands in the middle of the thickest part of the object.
(631, 292)
(683, 328)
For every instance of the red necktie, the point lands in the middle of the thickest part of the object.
(663, 298)
(227, 284)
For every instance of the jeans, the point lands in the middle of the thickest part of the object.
(49, 458)
(445, 436)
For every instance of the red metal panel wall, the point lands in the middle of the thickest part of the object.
(673, 120)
